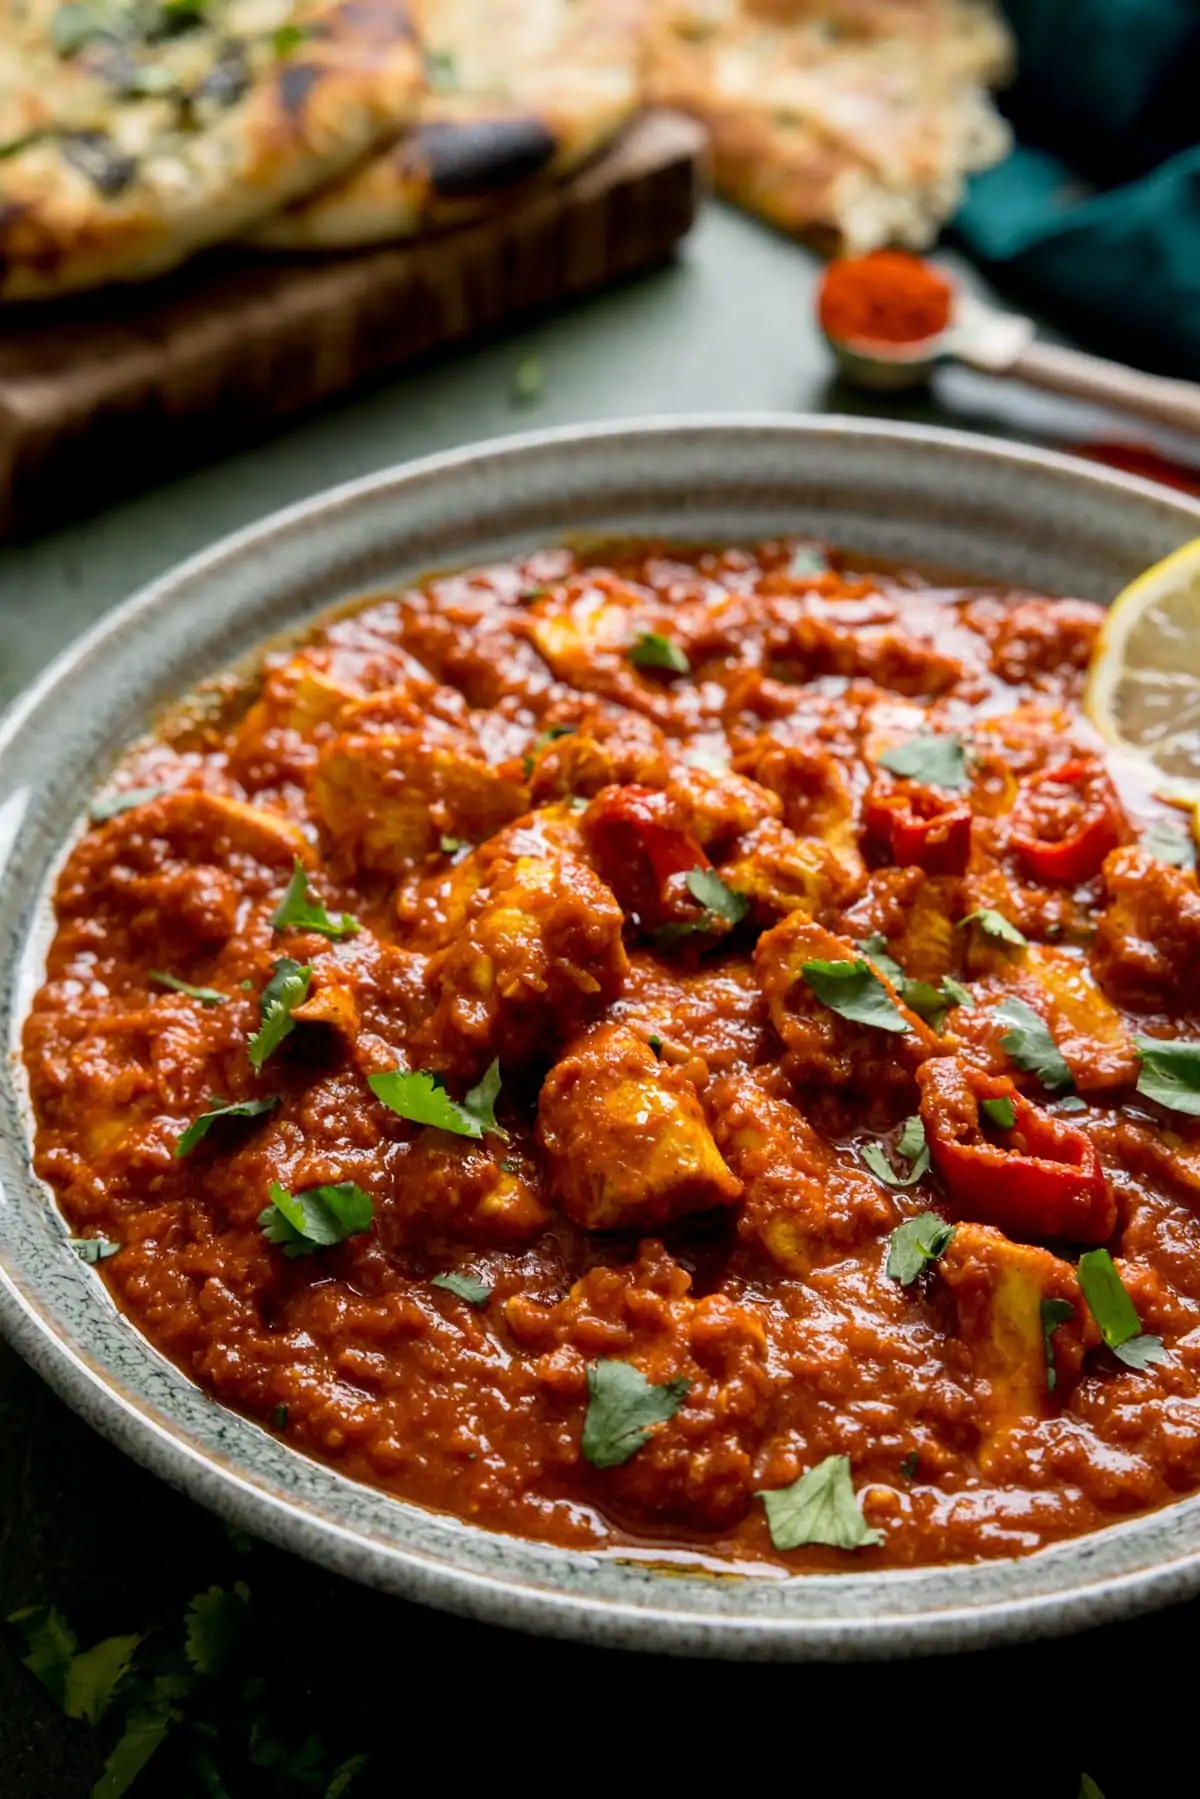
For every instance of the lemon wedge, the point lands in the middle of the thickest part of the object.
(1143, 688)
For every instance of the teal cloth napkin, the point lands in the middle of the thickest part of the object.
(1095, 216)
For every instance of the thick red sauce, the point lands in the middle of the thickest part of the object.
(682, 1187)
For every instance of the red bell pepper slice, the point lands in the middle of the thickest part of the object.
(645, 851)
(1041, 1181)
(1066, 820)
(921, 827)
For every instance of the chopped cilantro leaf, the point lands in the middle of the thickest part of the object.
(320, 1216)
(652, 650)
(1114, 1311)
(937, 759)
(200, 1127)
(287, 38)
(622, 1406)
(1169, 842)
(93, 1249)
(450, 846)
(547, 737)
(709, 890)
(915, 1244)
(875, 946)
(1073, 1102)
(1029, 1044)
(853, 990)
(421, 1097)
(1169, 1073)
(279, 1417)
(926, 1001)
(441, 72)
(298, 910)
(806, 559)
(955, 992)
(208, 996)
(911, 1147)
(820, 1507)
(528, 378)
(994, 924)
(464, 1286)
(113, 804)
(84, 1684)
(286, 989)
(1000, 1112)
(1054, 1313)
(50, 1643)
(655, 1043)
(1088, 1788)
(910, 1464)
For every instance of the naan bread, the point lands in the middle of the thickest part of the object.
(852, 122)
(520, 93)
(135, 132)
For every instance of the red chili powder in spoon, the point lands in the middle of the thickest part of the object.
(886, 297)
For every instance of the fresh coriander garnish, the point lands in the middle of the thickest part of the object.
(540, 743)
(936, 759)
(820, 1507)
(955, 992)
(1000, 1112)
(1110, 1305)
(213, 1623)
(806, 560)
(655, 1043)
(875, 946)
(909, 1465)
(529, 378)
(279, 1417)
(853, 990)
(208, 996)
(421, 1097)
(299, 910)
(915, 1245)
(1169, 842)
(994, 924)
(441, 72)
(927, 1001)
(652, 650)
(286, 989)
(1169, 1073)
(463, 1286)
(112, 805)
(93, 1249)
(709, 890)
(1072, 1102)
(316, 1218)
(200, 1127)
(622, 1406)
(1029, 1044)
(287, 38)
(450, 846)
(911, 1147)
(83, 1684)
(1054, 1313)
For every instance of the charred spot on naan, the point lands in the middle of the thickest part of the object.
(482, 155)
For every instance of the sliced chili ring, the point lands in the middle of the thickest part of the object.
(921, 828)
(1066, 820)
(1040, 1181)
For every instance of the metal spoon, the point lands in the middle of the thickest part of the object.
(1003, 343)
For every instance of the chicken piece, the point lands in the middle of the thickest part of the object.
(914, 912)
(783, 873)
(628, 1145)
(803, 1201)
(453, 1187)
(822, 1046)
(999, 1289)
(1086, 1026)
(600, 750)
(1147, 945)
(538, 955)
(722, 807)
(388, 798)
(330, 1003)
(577, 632)
(643, 844)
(813, 791)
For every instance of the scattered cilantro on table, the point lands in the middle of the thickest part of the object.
(820, 1507)
(622, 1407)
(421, 1097)
(299, 910)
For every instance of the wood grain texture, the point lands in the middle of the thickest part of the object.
(103, 394)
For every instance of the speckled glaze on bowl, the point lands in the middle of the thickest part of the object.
(968, 503)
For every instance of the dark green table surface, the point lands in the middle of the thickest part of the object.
(435, 1700)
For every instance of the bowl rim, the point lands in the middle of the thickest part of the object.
(1094, 1595)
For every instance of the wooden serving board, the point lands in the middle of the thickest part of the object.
(108, 392)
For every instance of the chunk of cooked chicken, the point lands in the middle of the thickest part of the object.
(387, 799)
(802, 1201)
(1147, 945)
(538, 955)
(822, 1046)
(999, 1288)
(627, 1141)
(783, 873)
